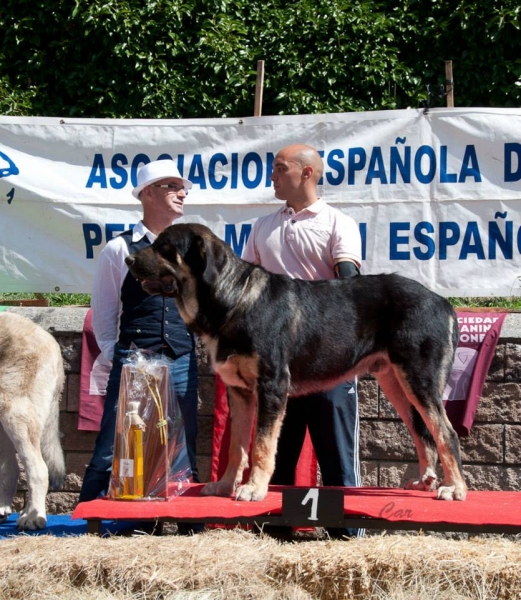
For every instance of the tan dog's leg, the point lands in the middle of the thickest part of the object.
(272, 397)
(9, 473)
(243, 405)
(24, 430)
(433, 414)
(453, 486)
(427, 454)
(264, 452)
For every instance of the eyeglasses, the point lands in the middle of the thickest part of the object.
(173, 187)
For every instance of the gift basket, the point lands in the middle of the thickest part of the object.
(150, 455)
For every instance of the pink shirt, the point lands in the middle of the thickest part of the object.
(304, 245)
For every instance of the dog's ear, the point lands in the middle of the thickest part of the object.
(195, 255)
(205, 258)
(165, 249)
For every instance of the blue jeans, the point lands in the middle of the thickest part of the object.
(183, 372)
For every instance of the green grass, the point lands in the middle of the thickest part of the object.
(511, 302)
(53, 298)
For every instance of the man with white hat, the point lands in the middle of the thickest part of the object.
(124, 314)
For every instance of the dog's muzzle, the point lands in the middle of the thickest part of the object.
(151, 282)
(164, 287)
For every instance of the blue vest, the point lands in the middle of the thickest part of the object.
(151, 322)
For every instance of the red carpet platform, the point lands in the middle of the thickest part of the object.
(368, 507)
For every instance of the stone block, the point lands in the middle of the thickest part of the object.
(496, 370)
(483, 445)
(205, 436)
(72, 393)
(368, 392)
(385, 408)
(61, 503)
(369, 473)
(500, 403)
(76, 463)
(511, 479)
(512, 362)
(70, 344)
(397, 474)
(388, 440)
(63, 398)
(479, 477)
(203, 360)
(204, 464)
(206, 395)
(18, 502)
(492, 478)
(513, 445)
(73, 439)
(72, 483)
(22, 480)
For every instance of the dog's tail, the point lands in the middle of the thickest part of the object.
(51, 445)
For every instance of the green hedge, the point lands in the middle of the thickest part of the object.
(197, 58)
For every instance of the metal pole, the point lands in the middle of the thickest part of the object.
(259, 86)
(449, 84)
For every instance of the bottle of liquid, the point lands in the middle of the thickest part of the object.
(131, 469)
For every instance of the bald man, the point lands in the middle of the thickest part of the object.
(308, 239)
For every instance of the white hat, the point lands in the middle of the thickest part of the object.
(155, 171)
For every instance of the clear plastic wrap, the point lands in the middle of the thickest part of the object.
(150, 455)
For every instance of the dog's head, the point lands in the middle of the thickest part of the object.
(181, 256)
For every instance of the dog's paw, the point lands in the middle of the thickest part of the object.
(452, 492)
(429, 485)
(5, 511)
(31, 520)
(217, 488)
(250, 493)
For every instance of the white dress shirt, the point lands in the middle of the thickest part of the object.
(109, 276)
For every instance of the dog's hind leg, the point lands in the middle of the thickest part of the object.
(424, 394)
(52, 451)
(423, 440)
(9, 473)
(243, 406)
(24, 429)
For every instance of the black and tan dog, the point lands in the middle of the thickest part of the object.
(270, 336)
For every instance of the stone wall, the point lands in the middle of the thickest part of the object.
(491, 453)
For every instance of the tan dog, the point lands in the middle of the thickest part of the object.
(31, 382)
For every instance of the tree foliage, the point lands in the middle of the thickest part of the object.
(197, 58)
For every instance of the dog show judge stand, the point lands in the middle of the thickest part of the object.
(366, 507)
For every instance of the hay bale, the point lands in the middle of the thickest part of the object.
(240, 565)
(417, 566)
(229, 564)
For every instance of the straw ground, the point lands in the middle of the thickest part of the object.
(236, 564)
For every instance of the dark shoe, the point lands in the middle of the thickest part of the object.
(189, 528)
(279, 532)
(340, 533)
(129, 528)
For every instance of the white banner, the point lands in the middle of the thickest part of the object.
(437, 194)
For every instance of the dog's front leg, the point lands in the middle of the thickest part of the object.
(243, 405)
(272, 406)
